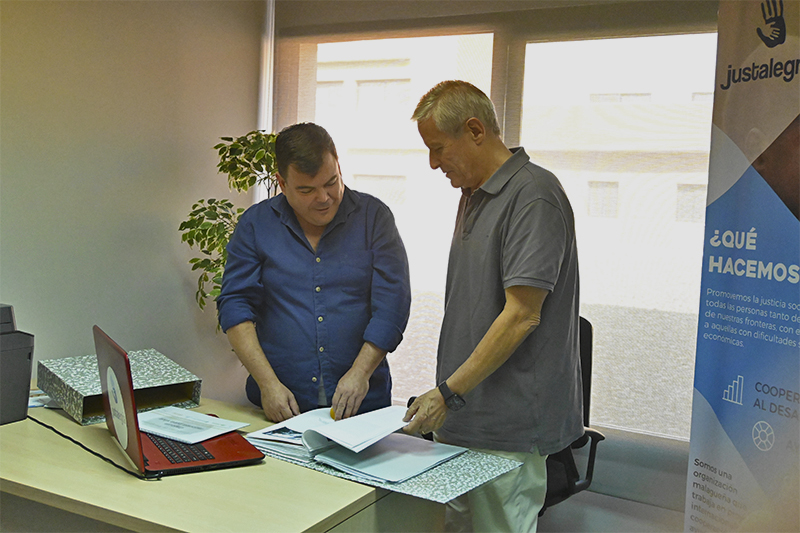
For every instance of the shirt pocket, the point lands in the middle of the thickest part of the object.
(354, 275)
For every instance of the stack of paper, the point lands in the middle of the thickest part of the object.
(364, 445)
(285, 439)
(395, 459)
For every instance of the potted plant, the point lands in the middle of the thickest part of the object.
(247, 160)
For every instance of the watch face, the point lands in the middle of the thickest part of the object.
(455, 402)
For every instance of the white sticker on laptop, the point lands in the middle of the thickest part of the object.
(117, 408)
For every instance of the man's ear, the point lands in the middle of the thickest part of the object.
(281, 182)
(476, 130)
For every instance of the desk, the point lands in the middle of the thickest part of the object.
(38, 465)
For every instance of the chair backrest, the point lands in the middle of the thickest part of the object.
(563, 478)
(586, 340)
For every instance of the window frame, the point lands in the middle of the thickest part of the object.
(649, 469)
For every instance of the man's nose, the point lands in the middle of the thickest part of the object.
(433, 161)
(322, 195)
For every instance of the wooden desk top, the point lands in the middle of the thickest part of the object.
(37, 464)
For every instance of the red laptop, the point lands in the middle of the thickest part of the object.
(155, 456)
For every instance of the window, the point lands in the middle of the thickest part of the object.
(691, 204)
(626, 128)
(373, 96)
(647, 131)
(619, 97)
(366, 91)
(603, 199)
(329, 98)
(625, 125)
(390, 189)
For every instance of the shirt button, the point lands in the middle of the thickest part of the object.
(314, 379)
(320, 319)
(317, 289)
(321, 349)
(318, 259)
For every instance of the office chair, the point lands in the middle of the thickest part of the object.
(563, 478)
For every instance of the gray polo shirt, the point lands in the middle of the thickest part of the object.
(516, 229)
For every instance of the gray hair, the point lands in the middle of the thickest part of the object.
(452, 103)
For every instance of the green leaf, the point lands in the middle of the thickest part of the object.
(246, 160)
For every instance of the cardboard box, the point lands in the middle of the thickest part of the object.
(74, 383)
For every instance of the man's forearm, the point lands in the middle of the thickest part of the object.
(354, 385)
(368, 359)
(277, 401)
(244, 341)
(520, 316)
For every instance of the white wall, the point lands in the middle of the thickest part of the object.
(108, 115)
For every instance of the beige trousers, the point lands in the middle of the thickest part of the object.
(510, 502)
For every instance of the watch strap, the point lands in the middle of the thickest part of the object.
(453, 401)
(445, 390)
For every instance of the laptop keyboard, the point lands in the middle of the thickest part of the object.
(178, 452)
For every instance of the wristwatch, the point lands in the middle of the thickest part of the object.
(453, 401)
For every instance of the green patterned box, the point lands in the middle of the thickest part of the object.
(74, 383)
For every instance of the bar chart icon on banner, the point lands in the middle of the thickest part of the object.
(735, 391)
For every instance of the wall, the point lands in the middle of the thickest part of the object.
(109, 114)
(291, 14)
(544, 18)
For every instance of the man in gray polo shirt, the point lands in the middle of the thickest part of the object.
(508, 358)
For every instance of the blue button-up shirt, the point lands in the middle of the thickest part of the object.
(314, 310)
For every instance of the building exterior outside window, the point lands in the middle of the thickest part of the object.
(624, 124)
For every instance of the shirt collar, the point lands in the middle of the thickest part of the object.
(349, 203)
(501, 176)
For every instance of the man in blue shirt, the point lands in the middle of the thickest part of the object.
(316, 287)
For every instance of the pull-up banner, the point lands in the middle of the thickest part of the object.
(744, 462)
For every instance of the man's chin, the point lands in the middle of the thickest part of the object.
(324, 220)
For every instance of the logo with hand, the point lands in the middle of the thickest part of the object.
(773, 32)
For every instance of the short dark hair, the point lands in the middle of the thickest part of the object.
(303, 145)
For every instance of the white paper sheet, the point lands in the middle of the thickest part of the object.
(185, 426)
(394, 459)
(359, 432)
(355, 433)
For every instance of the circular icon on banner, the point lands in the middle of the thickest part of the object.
(763, 436)
(118, 419)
